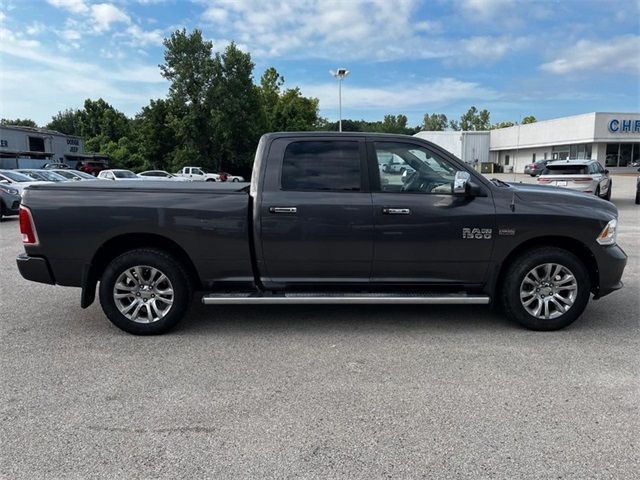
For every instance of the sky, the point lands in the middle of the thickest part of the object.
(515, 58)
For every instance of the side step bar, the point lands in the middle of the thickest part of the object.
(358, 299)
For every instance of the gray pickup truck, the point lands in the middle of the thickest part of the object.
(322, 222)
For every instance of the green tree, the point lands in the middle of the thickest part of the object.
(475, 119)
(434, 122)
(155, 135)
(529, 119)
(19, 122)
(68, 122)
(190, 68)
(503, 125)
(294, 112)
(270, 84)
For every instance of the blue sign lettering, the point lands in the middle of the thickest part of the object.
(624, 126)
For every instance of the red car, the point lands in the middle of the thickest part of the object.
(92, 167)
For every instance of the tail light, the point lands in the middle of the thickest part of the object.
(27, 228)
(582, 179)
(543, 180)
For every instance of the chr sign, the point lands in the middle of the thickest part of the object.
(624, 126)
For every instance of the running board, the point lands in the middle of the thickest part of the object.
(331, 298)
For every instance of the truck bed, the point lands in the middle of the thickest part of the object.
(208, 222)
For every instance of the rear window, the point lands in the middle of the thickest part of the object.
(565, 170)
(329, 165)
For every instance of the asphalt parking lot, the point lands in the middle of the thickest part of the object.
(320, 392)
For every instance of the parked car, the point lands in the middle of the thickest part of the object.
(92, 167)
(118, 174)
(318, 226)
(162, 175)
(74, 175)
(16, 179)
(9, 199)
(198, 175)
(586, 176)
(227, 177)
(638, 189)
(42, 175)
(534, 169)
(56, 166)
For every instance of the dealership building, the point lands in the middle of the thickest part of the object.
(27, 147)
(611, 138)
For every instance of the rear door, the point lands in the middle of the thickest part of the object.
(316, 217)
(423, 234)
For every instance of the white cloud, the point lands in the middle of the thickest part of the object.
(485, 48)
(35, 28)
(75, 6)
(485, 10)
(140, 37)
(373, 29)
(428, 94)
(616, 55)
(105, 14)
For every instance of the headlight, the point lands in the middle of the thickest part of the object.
(608, 234)
(9, 190)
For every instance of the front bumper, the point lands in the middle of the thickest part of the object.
(611, 262)
(35, 269)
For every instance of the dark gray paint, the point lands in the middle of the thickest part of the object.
(335, 240)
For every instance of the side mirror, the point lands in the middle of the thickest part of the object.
(606, 172)
(461, 183)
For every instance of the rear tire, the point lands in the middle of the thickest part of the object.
(560, 303)
(598, 191)
(638, 197)
(210, 180)
(134, 292)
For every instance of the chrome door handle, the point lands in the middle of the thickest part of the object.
(283, 209)
(396, 211)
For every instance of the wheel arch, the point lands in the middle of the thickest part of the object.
(572, 245)
(131, 241)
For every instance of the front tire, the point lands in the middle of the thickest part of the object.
(145, 292)
(608, 195)
(210, 180)
(546, 288)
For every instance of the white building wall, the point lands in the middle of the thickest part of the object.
(468, 146)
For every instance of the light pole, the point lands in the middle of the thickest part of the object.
(339, 74)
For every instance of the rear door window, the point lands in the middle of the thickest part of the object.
(322, 166)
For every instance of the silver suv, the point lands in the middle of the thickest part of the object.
(586, 176)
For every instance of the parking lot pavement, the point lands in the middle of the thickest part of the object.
(319, 392)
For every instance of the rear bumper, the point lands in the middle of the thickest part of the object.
(611, 263)
(35, 269)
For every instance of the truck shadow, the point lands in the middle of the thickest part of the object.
(341, 318)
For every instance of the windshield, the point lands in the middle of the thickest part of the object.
(50, 176)
(565, 170)
(124, 174)
(16, 176)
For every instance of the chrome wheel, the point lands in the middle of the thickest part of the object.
(548, 291)
(143, 294)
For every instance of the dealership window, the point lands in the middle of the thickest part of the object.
(533, 158)
(622, 154)
(506, 159)
(36, 144)
(545, 155)
(572, 152)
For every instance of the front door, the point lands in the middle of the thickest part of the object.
(316, 215)
(423, 234)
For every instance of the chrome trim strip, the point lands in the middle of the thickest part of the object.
(312, 300)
